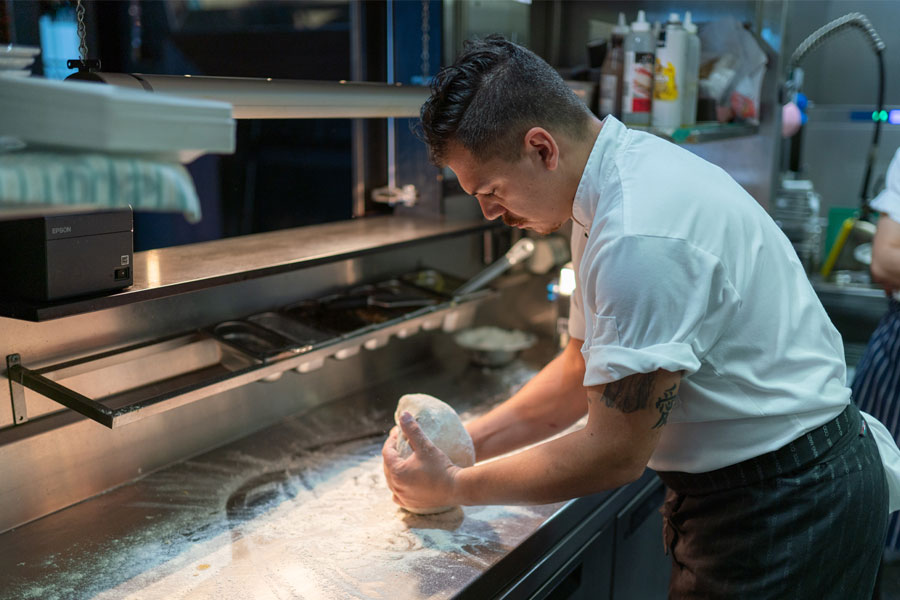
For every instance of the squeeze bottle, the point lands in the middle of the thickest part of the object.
(691, 73)
(637, 85)
(611, 72)
(669, 83)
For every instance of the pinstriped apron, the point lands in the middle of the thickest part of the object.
(876, 387)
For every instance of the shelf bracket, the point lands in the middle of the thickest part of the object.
(21, 377)
(16, 391)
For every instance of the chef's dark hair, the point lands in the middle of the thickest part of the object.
(491, 96)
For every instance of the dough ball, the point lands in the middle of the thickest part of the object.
(442, 426)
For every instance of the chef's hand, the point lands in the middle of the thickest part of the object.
(424, 479)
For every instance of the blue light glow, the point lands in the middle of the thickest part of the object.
(59, 42)
(884, 116)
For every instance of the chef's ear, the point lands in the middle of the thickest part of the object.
(541, 145)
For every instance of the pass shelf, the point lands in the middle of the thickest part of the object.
(122, 386)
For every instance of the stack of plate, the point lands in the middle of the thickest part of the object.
(16, 60)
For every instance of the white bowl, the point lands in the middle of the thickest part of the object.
(15, 62)
(492, 346)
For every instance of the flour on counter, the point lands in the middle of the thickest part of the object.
(338, 536)
(298, 511)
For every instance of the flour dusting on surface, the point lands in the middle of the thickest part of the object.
(298, 511)
(318, 527)
(340, 536)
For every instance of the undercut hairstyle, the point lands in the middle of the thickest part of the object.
(491, 96)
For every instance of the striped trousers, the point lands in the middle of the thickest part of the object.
(876, 387)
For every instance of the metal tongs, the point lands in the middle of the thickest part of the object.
(520, 251)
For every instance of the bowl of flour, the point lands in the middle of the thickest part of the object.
(493, 346)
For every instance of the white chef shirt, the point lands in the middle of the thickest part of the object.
(888, 201)
(678, 268)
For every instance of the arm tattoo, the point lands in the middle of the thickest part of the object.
(631, 393)
(665, 404)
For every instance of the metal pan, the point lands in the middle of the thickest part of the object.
(314, 314)
(292, 329)
(254, 340)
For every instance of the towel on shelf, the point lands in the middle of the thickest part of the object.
(70, 178)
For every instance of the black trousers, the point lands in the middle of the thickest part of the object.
(806, 521)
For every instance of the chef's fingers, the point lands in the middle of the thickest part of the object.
(397, 500)
(389, 456)
(387, 473)
(417, 439)
(393, 433)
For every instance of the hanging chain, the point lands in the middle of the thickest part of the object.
(82, 36)
(426, 42)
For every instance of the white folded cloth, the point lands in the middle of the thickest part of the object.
(75, 178)
(890, 458)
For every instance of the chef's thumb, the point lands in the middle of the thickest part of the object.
(417, 439)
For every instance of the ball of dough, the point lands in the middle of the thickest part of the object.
(441, 424)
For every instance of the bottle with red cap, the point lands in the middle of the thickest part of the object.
(637, 85)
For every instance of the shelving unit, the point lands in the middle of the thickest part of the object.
(749, 153)
(703, 132)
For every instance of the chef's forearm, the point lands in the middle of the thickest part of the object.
(546, 405)
(568, 467)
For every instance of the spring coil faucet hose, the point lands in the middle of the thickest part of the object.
(818, 37)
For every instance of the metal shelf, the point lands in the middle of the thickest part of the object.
(267, 98)
(157, 376)
(167, 272)
(702, 132)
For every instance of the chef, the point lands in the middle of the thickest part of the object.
(698, 349)
(876, 386)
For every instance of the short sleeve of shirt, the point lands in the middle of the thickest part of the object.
(655, 303)
(888, 201)
(576, 310)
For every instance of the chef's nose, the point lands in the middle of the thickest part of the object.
(491, 210)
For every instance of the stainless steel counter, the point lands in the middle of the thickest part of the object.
(854, 309)
(298, 510)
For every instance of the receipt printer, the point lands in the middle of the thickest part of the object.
(54, 253)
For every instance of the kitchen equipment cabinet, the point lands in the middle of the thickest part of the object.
(641, 564)
(615, 552)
